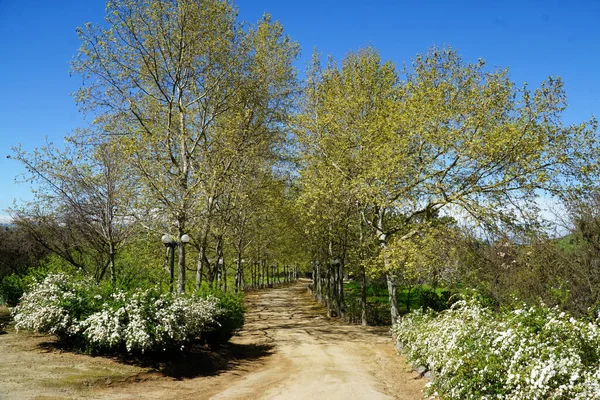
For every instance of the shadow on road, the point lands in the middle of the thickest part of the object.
(195, 362)
(293, 314)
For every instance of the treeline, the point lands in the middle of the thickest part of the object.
(189, 139)
(416, 176)
(430, 175)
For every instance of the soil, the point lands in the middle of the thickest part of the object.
(288, 349)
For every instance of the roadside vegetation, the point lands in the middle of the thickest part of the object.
(521, 352)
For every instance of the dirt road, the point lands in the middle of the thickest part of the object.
(288, 349)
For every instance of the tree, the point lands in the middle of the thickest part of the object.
(190, 92)
(452, 136)
(80, 210)
(18, 251)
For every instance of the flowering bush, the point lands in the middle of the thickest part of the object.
(101, 321)
(524, 353)
(53, 306)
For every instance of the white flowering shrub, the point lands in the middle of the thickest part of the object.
(147, 321)
(97, 321)
(52, 306)
(228, 320)
(525, 353)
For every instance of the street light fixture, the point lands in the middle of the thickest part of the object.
(171, 243)
(167, 239)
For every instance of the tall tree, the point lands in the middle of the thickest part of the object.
(81, 205)
(19, 251)
(451, 136)
(190, 91)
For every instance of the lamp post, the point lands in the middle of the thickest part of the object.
(170, 243)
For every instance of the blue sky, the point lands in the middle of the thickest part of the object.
(534, 38)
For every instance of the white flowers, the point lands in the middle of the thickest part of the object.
(137, 322)
(526, 353)
(43, 309)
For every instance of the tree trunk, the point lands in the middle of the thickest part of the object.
(113, 271)
(328, 290)
(341, 304)
(218, 266)
(202, 259)
(390, 276)
(222, 267)
(210, 275)
(181, 261)
(392, 289)
(267, 274)
(363, 295)
(317, 281)
(183, 183)
(224, 276)
(239, 275)
(200, 266)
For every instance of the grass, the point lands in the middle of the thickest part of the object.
(409, 298)
(82, 376)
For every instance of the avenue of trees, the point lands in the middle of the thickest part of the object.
(189, 137)
(425, 175)
(387, 163)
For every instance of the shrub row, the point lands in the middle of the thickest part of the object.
(11, 289)
(98, 319)
(526, 352)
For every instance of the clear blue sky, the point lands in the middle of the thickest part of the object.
(535, 39)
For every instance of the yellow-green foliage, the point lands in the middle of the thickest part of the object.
(450, 135)
(424, 254)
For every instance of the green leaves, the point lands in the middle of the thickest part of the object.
(452, 134)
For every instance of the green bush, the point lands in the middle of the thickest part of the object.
(437, 300)
(378, 314)
(229, 319)
(13, 286)
(11, 289)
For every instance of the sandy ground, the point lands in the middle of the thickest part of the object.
(288, 349)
